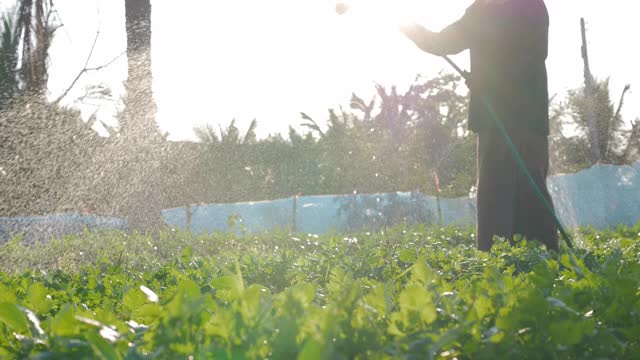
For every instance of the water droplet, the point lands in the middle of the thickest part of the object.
(34, 319)
(109, 334)
(152, 296)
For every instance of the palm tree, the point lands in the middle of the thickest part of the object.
(599, 118)
(34, 34)
(229, 136)
(230, 160)
(44, 148)
(26, 36)
(8, 61)
(141, 109)
(141, 147)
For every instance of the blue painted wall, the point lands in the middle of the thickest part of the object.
(604, 195)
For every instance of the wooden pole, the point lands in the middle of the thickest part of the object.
(589, 92)
(188, 208)
(294, 220)
(436, 182)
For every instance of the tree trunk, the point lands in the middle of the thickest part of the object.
(34, 38)
(141, 144)
(141, 119)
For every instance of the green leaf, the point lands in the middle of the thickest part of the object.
(187, 254)
(37, 298)
(184, 348)
(133, 300)
(505, 319)
(420, 272)
(408, 256)
(186, 296)
(101, 347)
(312, 350)
(560, 304)
(189, 288)
(13, 318)
(483, 306)
(7, 294)
(566, 332)
(64, 323)
(148, 313)
(376, 301)
(254, 301)
(415, 299)
(497, 337)
(228, 287)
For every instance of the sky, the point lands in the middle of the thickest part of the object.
(214, 61)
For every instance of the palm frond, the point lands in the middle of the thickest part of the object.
(311, 124)
(250, 135)
(206, 134)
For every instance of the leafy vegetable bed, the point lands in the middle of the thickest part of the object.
(410, 294)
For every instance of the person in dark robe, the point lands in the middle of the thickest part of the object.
(508, 43)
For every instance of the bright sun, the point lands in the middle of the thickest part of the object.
(384, 12)
(393, 13)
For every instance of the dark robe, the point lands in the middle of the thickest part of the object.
(508, 43)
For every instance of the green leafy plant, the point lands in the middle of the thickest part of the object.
(411, 292)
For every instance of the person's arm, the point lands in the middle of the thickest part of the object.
(453, 39)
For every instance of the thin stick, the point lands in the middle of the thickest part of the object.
(87, 69)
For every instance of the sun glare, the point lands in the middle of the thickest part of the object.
(384, 13)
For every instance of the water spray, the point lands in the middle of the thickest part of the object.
(380, 12)
(343, 7)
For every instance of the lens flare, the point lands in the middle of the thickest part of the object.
(380, 12)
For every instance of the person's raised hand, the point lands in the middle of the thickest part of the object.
(423, 38)
(414, 31)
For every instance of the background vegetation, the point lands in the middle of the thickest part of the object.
(52, 161)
